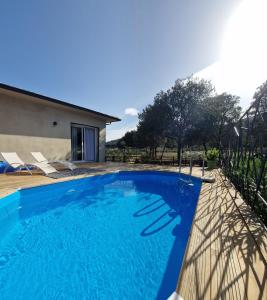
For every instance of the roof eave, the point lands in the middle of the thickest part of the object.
(108, 118)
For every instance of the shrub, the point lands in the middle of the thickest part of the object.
(212, 154)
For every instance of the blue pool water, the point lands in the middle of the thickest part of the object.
(115, 236)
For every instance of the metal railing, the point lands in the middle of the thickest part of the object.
(191, 163)
(243, 160)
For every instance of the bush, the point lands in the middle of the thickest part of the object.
(212, 154)
(145, 158)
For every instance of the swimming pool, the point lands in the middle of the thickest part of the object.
(115, 236)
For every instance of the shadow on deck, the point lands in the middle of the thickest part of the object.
(223, 259)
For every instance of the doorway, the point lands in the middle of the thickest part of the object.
(84, 143)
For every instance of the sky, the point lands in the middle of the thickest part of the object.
(114, 56)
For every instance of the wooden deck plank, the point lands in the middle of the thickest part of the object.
(237, 266)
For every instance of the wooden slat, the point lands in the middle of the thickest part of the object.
(223, 261)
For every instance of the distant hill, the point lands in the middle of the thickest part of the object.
(112, 143)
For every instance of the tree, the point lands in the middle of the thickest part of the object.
(183, 99)
(154, 124)
(215, 120)
(121, 144)
(261, 97)
(259, 110)
(130, 139)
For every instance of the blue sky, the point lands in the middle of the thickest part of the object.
(108, 55)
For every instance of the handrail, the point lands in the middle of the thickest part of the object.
(203, 167)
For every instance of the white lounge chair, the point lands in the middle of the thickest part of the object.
(40, 158)
(16, 162)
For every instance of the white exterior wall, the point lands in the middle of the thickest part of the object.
(26, 125)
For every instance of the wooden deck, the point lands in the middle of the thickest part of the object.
(227, 251)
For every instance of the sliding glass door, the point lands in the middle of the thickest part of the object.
(89, 144)
(77, 143)
(84, 143)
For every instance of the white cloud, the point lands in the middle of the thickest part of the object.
(131, 111)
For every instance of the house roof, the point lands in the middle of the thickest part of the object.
(108, 118)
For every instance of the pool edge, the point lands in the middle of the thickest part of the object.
(179, 279)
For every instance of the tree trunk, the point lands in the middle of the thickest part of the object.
(179, 149)
(162, 153)
(205, 147)
(150, 152)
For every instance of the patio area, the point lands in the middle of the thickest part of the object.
(227, 251)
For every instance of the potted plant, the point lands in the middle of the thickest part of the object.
(212, 158)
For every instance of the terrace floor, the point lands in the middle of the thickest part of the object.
(227, 251)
